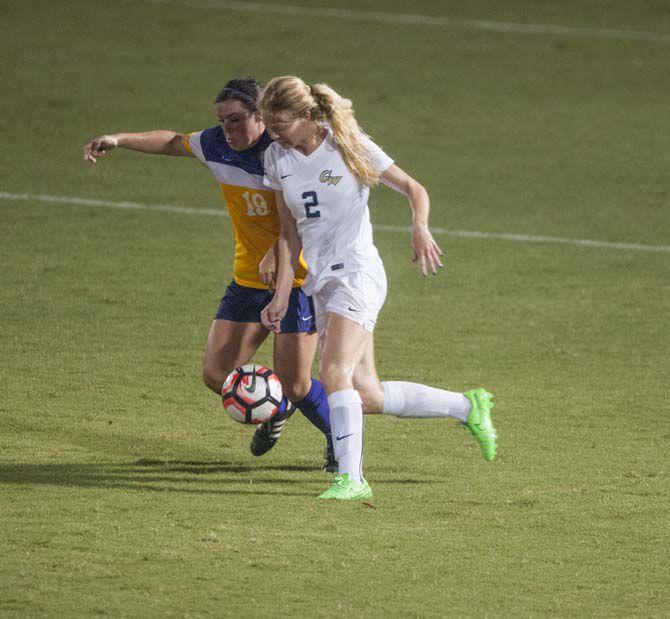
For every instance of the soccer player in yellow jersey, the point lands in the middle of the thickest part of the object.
(233, 151)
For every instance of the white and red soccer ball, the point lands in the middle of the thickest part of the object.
(252, 394)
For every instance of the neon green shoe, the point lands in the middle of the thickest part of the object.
(345, 489)
(479, 421)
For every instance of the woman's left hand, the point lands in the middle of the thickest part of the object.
(426, 251)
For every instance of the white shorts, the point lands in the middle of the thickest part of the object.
(358, 296)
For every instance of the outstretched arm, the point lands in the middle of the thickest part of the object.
(159, 142)
(288, 254)
(426, 251)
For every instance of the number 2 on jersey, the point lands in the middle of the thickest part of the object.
(312, 201)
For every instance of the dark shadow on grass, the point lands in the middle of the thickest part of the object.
(218, 477)
(158, 476)
(199, 467)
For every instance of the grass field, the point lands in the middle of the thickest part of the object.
(126, 492)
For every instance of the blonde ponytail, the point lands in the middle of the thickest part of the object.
(291, 95)
(338, 112)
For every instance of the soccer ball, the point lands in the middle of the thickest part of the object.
(252, 394)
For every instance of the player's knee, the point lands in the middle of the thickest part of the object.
(295, 388)
(372, 395)
(213, 377)
(335, 376)
(211, 382)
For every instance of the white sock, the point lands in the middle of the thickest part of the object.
(404, 399)
(346, 421)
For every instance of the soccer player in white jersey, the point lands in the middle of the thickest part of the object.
(321, 167)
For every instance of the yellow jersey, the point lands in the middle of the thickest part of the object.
(252, 206)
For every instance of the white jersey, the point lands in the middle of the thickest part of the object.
(330, 207)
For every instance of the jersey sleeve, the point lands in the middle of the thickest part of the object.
(193, 145)
(379, 159)
(270, 173)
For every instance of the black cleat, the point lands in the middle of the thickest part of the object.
(329, 463)
(268, 433)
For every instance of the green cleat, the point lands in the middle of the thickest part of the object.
(345, 489)
(479, 421)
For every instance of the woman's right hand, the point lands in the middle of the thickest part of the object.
(99, 146)
(267, 269)
(273, 313)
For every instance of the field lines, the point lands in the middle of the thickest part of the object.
(413, 19)
(6, 198)
(73, 201)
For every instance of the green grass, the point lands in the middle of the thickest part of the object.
(124, 489)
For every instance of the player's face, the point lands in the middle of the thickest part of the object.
(288, 132)
(241, 127)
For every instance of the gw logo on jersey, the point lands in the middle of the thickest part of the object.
(327, 177)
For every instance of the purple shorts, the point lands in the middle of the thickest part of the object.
(244, 304)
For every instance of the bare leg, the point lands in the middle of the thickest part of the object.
(293, 358)
(344, 345)
(366, 381)
(229, 345)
